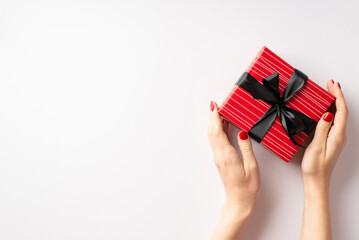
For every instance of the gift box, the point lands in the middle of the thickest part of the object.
(276, 104)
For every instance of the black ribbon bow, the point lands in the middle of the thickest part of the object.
(292, 121)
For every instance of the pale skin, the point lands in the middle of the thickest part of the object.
(241, 179)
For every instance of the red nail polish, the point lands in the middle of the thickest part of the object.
(243, 135)
(332, 81)
(328, 117)
(212, 106)
(339, 85)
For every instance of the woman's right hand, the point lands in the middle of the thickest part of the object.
(329, 140)
(318, 162)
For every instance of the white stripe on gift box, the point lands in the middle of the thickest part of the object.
(301, 92)
(303, 102)
(279, 151)
(282, 87)
(263, 104)
(289, 74)
(281, 61)
(253, 122)
(270, 139)
(276, 120)
(267, 141)
(308, 91)
(286, 80)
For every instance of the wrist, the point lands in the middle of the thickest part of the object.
(316, 187)
(237, 210)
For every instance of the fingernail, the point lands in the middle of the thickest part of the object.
(328, 117)
(332, 81)
(243, 135)
(212, 106)
(339, 85)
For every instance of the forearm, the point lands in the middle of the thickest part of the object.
(231, 222)
(316, 214)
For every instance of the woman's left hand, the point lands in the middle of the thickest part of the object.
(240, 176)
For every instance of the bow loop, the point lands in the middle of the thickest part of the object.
(247, 81)
(272, 83)
(291, 120)
(295, 83)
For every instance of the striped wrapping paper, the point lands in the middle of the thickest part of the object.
(243, 111)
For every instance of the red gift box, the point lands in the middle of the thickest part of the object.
(243, 111)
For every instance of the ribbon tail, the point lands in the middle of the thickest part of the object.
(309, 124)
(293, 141)
(262, 126)
(294, 122)
(291, 120)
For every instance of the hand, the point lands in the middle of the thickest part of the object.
(318, 162)
(240, 177)
(323, 152)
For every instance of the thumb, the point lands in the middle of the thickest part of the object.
(245, 145)
(322, 129)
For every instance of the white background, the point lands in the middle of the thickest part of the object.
(104, 108)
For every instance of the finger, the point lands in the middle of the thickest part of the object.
(341, 114)
(322, 129)
(216, 134)
(245, 145)
(330, 85)
(225, 126)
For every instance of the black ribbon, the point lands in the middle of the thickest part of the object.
(292, 121)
